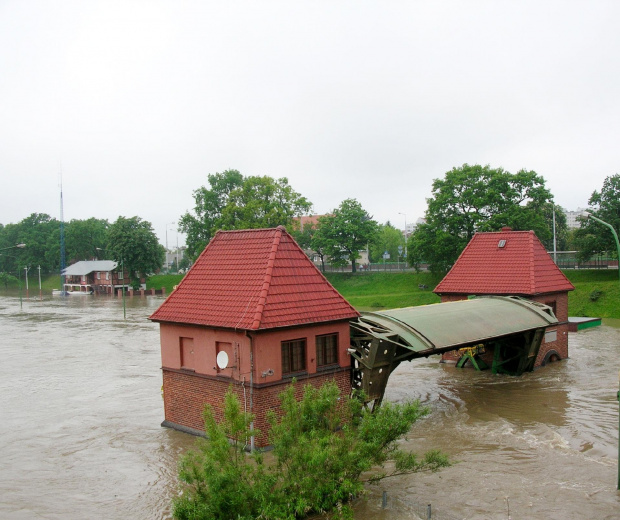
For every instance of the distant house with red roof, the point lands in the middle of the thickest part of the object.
(513, 263)
(253, 313)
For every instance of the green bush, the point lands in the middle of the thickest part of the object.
(595, 295)
(321, 448)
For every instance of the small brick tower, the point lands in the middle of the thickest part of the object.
(514, 263)
(255, 296)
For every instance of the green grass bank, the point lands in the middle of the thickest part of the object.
(596, 294)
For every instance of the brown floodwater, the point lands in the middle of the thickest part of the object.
(81, 411)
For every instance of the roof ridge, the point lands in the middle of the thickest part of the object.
(532, 260)
(262, 298)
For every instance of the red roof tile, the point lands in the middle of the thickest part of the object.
(252, 280)
(521, 267)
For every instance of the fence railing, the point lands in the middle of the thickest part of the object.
(569, 260)
(563, 259)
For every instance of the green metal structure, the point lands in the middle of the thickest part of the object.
(472, 354)
(513, 327)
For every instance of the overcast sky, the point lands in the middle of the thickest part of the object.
(372, 100)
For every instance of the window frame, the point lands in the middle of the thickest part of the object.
(289, 367)
(321, 350)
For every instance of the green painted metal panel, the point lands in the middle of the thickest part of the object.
(441, 326)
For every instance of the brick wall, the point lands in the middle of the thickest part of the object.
(187, 393)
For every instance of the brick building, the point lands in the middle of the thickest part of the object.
(99, 276)
(514, 263)
(256, 297)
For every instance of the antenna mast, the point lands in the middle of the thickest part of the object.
(63, 261)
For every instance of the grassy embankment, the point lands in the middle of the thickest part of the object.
(597, 292)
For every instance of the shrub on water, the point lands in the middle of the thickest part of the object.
(321, 448)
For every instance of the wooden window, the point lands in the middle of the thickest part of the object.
(187, 353)
(327, 350)
(293, 356)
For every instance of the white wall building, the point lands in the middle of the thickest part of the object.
(571, 218)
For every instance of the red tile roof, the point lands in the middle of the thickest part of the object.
(521, 267)
(253, 280)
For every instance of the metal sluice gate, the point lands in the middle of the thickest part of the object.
(512, 327)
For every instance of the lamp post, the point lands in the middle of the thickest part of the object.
(123, 282)
(26, 269)
(167, 250)
(587, 214)
(405, 215)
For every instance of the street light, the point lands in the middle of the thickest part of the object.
(587, 214)
(123, 282)
(167, 250)
(405, 214)
(20, 246)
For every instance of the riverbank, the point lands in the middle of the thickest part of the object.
(596, 294)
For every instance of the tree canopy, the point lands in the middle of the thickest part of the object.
(344, 233)
(41, 234)
(37, 231)
(476, 198)
(387, 239)
(236, 202)
(133, 242)
(593, 237)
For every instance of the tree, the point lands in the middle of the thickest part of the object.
(36, 231)
(388, 238)
(322, 447)
(133, 242)
(592, 237)
(263, 202)
(82, 240)
(83, 237)
(6, 279)
(11, 260)
(237, 202)
(209, 204)
(344, 233)
(472, 199)
(310, 237)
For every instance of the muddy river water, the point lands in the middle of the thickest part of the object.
(81, 408)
